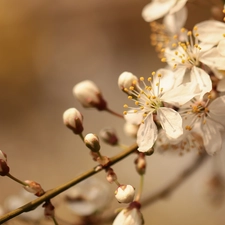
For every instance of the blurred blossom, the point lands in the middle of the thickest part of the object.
(16, 201)
(88, 197)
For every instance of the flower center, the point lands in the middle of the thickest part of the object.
(146, 99)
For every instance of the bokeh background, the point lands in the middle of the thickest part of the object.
(46, 47)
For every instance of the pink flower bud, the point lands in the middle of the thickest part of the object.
(73, 119)
(111, 176)
(34, 188)
(108, 135)
(125, 193)
(92, 142)
(140, 163)
(4, 169)
(49, 209)
(89, 95)
(126, 80)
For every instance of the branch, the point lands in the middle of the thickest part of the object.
(56, 191)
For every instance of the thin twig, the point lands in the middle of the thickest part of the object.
(56, 191)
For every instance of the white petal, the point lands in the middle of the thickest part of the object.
(156, 9)
(178, 6)
(147, 134)
(212, 137)
(217, 110)
(221, 47)
(200, 77)
(221, 85)
(174, 22)
(213, 58)
(216, 29)
(133, 118)
(181, 94)
(166, 80)
(171, 122)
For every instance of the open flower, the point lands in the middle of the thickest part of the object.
(159, 8)
(210, 118)
(149, 103)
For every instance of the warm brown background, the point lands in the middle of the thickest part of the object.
(48, 46)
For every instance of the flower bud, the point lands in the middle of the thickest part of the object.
(49, 209)
(131, 129)
(92, 142)
(34, 188)
(4, 169)
(140, 163)
(108, 135)
(130, 215)
(125, 193)
(111, 176)
(89, 95)
(73, 119)
(126, 80)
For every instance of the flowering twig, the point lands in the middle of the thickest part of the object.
(56, 191)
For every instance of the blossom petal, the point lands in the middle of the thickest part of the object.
(166, 80)
(216, 29)
(174, 22)
(178, 6)
(156, 9)
(171, 122)
(147, 134)
(217, 110)
(221, 47)
(181, 94)
(133, 118)
(213, 58)
(212, 137)
(200, 77)
(221, 85)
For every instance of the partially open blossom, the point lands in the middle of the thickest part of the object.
(92, 142)
(4, 169)
(126, 79)
(125, 193)
(34, 187)
(108, 135)
(130, 215)
(89, 95)
(73, 119)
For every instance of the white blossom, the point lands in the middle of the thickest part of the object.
(150, 101)
(208, 118)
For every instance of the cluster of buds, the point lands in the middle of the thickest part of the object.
(4, 169)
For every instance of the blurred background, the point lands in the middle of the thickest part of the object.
(46, 47)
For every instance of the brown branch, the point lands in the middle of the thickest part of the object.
(56, 191)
